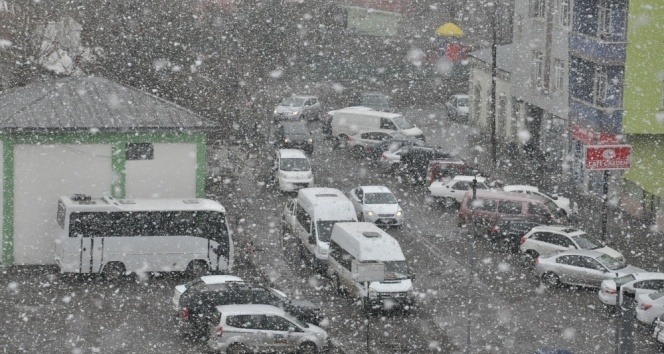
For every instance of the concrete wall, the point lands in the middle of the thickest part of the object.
(480, 77)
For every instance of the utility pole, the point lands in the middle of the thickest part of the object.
(494, 74)
(471, 257)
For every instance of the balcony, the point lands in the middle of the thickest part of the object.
(607, 120)
(597, 50)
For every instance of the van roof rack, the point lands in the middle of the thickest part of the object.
(371, 234)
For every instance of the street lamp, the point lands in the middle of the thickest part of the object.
(471, 246)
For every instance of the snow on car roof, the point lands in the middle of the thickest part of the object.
(520, 187)
(292, 154)
(250, 309)
(561, 229)
(220, 279)
(375, 189)
(469, 178)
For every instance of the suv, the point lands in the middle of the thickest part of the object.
(294, 135)
(507, 233)
(547, 239)
(259, 328)
(298, 108)
(415, 162)
(198, 303)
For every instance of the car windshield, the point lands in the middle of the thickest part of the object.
(610, 262)
(396, 270)
(379, 198)
(481, 185)
(295, 164)
(553, 208)
(325, 228)
(295, 320)
(292, 102)
(462, 102)
(402, 122)
(586, 242)
(624, 280)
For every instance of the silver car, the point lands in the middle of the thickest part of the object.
(580, 267)
(298, 108)
(457, 108)
(263, 328)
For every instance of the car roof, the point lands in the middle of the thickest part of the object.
(292, 153)
(219, 279)
(493, 194)
(469, 178)
(562, 229)
(250, 309)
(375, 189)
(520, 187)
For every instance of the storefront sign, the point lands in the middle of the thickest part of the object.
(608, 157)
(590, 137)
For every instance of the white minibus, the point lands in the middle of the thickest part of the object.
(348, 121)
(116, 236)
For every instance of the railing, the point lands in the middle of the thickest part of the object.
(597, 49)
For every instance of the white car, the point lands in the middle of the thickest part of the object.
(658, 333)
(359, 142)
(451, 191)
(376, 204)
(649, 307)
(562, 202)
(292, 170)
(202, 281)
(641, 283)
(457, 108)
(298, 108)
(547, 239)
(390, 160)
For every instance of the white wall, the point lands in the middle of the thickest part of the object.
(481, 75)
(42, 173)
(171, 174)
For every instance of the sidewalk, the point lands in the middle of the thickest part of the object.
(642, 246)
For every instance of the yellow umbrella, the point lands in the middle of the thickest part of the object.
(449, 30)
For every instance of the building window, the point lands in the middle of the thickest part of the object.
(537, 76)
(538, 8)
(600, 87)
(563, 15)
(139, 151)
(603, 18)
(558, 83)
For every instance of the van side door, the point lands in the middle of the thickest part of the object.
(302, 228)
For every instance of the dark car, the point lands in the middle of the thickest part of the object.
(375, 100)
(507, 233)
(198, 304)
(415, 162)
(374, 152)
(294, 135)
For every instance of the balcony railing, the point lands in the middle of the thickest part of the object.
(608, 119)
(596, 49)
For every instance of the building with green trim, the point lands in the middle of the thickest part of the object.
(93, 136)
(643, 118)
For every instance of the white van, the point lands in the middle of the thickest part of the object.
(292, 170)
(368, 264)
(348, 121)
(310, 218)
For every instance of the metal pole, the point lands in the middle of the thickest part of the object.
(471, 247)
(366, 311)
(494, 74)
(605, 203)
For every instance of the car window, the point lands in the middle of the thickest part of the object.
(484, 204)
(481, 185)
(590, 263)
(247, 321)
(559, 240)
(462, 102)
(509, 207)
(586, 243)
(294, 164)
(387, 124)
(649, 284)
(620, 281)
(655, 296)
(571, 260)
(276, 323)
(540, 236)
(610, 262)
(461, 185)
(380, 198)
(538, 209)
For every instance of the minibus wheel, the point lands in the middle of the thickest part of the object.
(113, 271)
(197, 268)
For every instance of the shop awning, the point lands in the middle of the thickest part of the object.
(449, 30)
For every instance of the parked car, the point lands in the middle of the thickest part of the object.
(358, 143)
(376, 204)
(451, 193)
(457, 108)
(640, 283)
(447, 169)
(197, 304)
(298, 107)
(545, 239)
(580, 267)
(375, 151)
(202, 282)
(294, 135)
(326, 126)
(247, 328)
(507, 233)
(374, 100)
(562, 202)
(649, 307)
(658, 333)
(415, 162)
(292, 170)
(491, 205)
(390, 160)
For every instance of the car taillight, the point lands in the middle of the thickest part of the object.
(610, 291)
(220, 331)
(495, 229)
(185, 314)
(384, 158)
(523, 240)
(537, 260)
(646, 306)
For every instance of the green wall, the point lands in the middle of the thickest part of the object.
(644, 68)
(118, 142)
(647, 163)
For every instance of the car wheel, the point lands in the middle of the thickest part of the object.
(504, 245)
(551, 279)
(237, 348)
(307, 348)
(197, 269)
(528, 258)
(360, 217)
(114, 271)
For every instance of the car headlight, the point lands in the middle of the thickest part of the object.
(286, 141)
(373, 294)
(275, 112)
(370, 213)
(399, 213)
